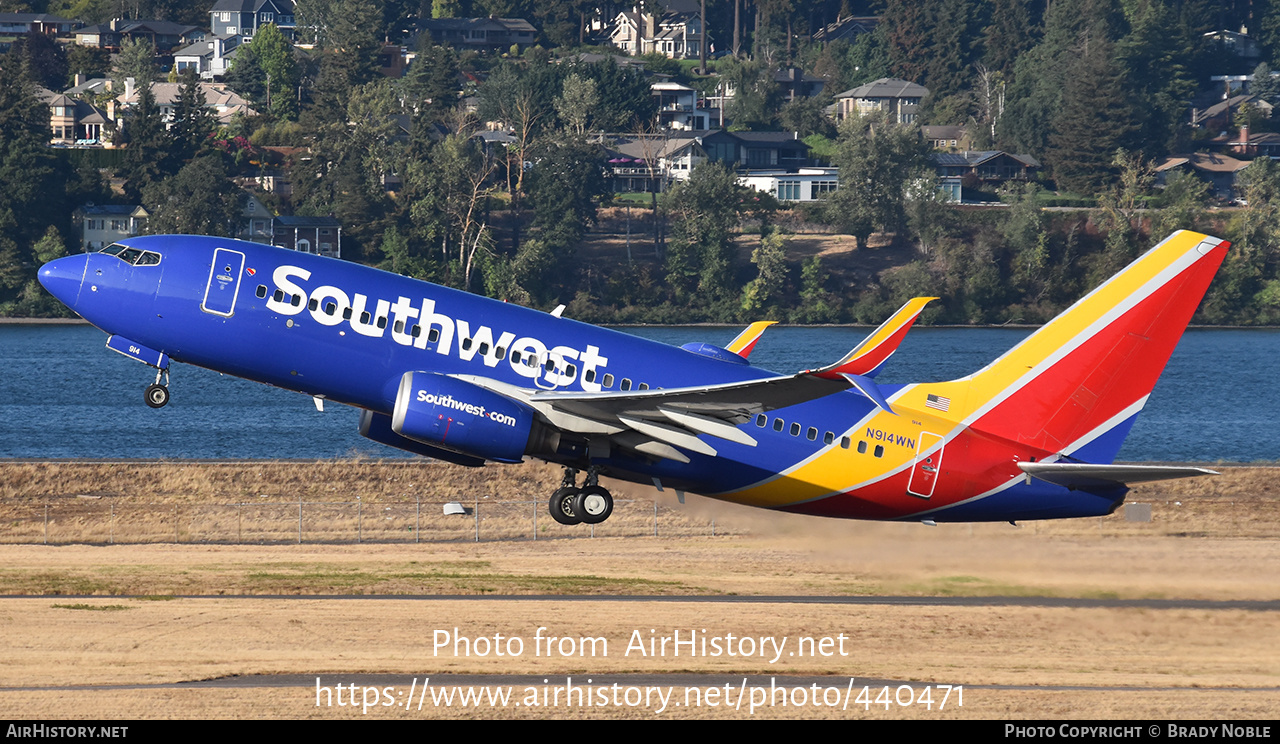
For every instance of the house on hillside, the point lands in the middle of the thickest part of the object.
(673, 30)
(752, 150)
(319, 235)
(1220, 171)
(947, 138)
(899, 98)
(103, 224)
(218, 98)
(245, 17)
(21, 24)
(678, 107)
(481, 33)
(209, 58)
(163, 35)
(76, 122)
(794, 185)
(796, 83)
(651, 162)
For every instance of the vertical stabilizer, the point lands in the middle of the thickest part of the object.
(1076, 384)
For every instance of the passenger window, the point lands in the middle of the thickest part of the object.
(330, 308)
(626, 384)
(466, 344)
(777, 424)
(262, 291)
(278, 296)
(500, 352)
(844, 442)
(415, 331)
(314, 304)
(515, 357)
(795, 430)
(433, 335)
(364, 317)
(761, 420)
(346, 313)
(296, 301)
(399, 326)
(644, 386)
(570, 370)
(382, 322)
(862, 448)
(484, 349)
(879, 450)
(589, 375)
(608, 380)
(812, 434)
(828, 438)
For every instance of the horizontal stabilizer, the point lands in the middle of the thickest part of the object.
(746, 341)
(1087, 475)
(868, 357)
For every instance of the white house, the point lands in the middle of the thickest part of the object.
(793, 185)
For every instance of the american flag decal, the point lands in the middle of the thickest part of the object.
(937, 401)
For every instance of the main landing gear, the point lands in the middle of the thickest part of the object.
(591, 504)
(157, 394)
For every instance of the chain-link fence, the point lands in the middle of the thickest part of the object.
(93, 521)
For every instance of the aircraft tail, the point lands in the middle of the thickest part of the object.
(1074, 387)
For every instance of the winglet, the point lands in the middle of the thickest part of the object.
(746, 341)
(868, 357)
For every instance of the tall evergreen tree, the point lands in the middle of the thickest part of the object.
(33, 197)
(199, 200)
(148, 146)
(192, 122)
(1095, 120)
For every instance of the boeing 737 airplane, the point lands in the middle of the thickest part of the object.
(466, 379)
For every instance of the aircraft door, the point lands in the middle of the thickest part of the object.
(924, 474)
(224, 282)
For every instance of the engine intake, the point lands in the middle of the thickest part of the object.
(445, 412)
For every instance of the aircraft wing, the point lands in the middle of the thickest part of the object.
(662, 422)
(657, 421)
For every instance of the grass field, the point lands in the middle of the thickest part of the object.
(139, 624)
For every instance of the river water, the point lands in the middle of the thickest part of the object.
(63, 394)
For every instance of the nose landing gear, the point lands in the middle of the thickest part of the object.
(591, 504)
(157, 394)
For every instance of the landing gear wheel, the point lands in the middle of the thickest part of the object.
(593, 504)
(562, 506)
(157, 395)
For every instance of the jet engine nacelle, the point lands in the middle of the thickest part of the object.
(445, 412)
(377, 426)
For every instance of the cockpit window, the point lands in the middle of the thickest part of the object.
(132, 255)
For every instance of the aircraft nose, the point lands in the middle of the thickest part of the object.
(63, 277)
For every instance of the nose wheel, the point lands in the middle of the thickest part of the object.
(157, 394)
(590, 504)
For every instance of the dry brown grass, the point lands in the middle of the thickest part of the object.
(1209, 539)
